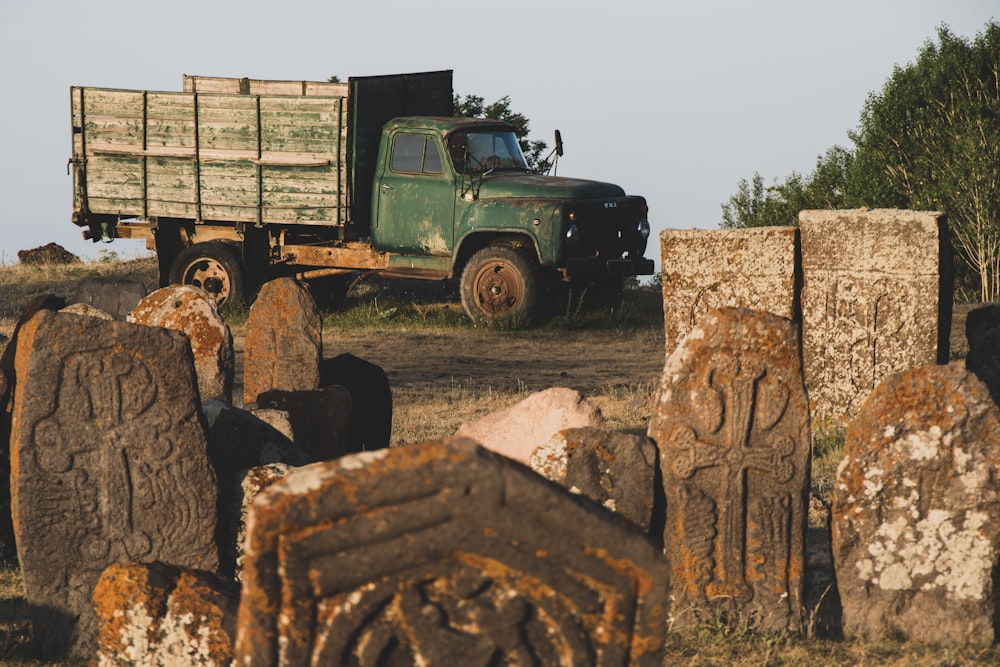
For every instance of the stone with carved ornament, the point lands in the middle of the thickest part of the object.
(109, 464)
(444, 553)
(732, 424)
(877, 292)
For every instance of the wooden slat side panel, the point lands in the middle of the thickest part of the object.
(208, 145)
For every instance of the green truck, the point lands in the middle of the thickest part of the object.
(233, 181)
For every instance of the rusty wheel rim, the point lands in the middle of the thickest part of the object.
(210, 275)
(499, 288)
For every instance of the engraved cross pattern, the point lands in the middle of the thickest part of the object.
(107, 396)
(737, 402)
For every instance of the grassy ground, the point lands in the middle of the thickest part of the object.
(444, 370)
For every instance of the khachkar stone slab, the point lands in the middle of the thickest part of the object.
(444, 554)
(915, 535)
(732, 425)
(876, 300)
(283, 344)
(109, 464)
(705, 269)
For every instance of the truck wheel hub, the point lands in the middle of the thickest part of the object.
(499, 288)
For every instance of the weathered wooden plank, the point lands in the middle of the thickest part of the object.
(208, 84)
(113, 206)
(298, 179)
(229, 213)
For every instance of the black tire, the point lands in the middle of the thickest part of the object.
(500, 282)
(214, 266)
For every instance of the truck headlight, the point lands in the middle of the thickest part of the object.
(643, 229)
(573, 236)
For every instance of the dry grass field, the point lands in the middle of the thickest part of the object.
(444, 371)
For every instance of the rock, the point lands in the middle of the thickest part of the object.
(114, 296)
(758, 272)
(156, 614)
(371, 399)
(616, 470)
(283, 345)
(109, 464)
(915, 536)
(252, 482)
(276, 419)
(50, 253)
(87, 310)
(320, 419)
(732, 425)
(518, 430)
(237, 442)
(444, 554)
(982, 330)
(876, 300)
(191, 310)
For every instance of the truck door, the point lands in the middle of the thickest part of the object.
(416, 199)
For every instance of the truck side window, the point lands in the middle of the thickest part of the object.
(414, 154)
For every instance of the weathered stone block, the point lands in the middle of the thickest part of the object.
(617, 470)
(112, 295)
(518, 430)
(320, 419)
(876, 300)
(109, 464)
(444, 554)
(704, 269)
(982, 330)
(158, 615)
(237, 442)
(191, 310)
(371, 399)
(915, 535)
(732, 425)
(283, 344)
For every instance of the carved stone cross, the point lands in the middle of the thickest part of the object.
(734, 383)
(733, 430)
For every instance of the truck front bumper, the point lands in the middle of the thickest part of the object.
(597, 267)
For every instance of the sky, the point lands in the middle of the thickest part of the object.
(675, 101)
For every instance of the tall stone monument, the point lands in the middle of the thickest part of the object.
(732, 424)
(876, 300)
(284, 344)
(108, 464)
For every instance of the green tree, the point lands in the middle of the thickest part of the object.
(473, 106)
(930, 140)
(757, 205)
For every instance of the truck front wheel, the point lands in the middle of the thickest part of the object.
(213, 266)
(499, 282)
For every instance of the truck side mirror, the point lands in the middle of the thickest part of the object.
(559, 144)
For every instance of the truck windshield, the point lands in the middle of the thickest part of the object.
(484, 151)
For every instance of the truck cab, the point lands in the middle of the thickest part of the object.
(455, 197)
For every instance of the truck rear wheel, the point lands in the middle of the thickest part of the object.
(499, 282)
(215, 267)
